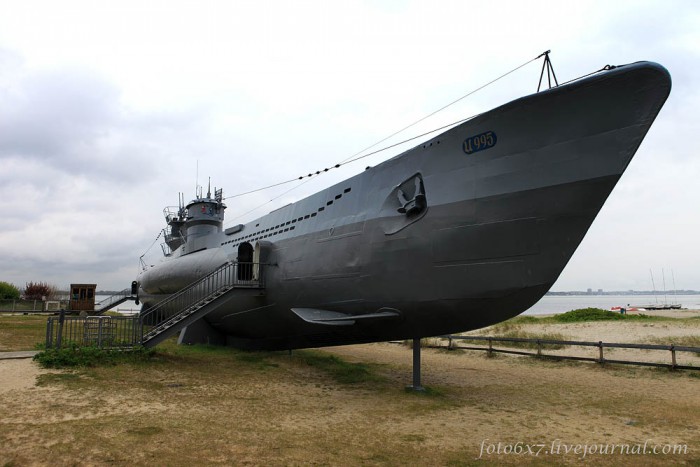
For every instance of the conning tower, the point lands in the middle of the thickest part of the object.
(191, 228)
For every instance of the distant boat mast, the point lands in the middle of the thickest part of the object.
(673, 277)
(663, 277)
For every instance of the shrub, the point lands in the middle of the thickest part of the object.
(39, 291)
(8, 291)
(593, 314)
(89, 356)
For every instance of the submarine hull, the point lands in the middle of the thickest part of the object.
(464, 231)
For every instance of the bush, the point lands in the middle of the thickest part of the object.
(39, 291)
(8, 291)
(88, 356)
(595, 314)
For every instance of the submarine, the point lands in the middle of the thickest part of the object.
(465, 230)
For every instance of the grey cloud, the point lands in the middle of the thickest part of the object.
(55, 115)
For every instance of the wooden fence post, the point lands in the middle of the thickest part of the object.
(673, 357)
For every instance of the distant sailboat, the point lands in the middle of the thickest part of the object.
(665, 305)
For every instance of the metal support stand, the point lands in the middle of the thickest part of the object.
(416, 367)
(550, 72)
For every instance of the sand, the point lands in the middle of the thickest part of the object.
(300, 416)
(18, 375)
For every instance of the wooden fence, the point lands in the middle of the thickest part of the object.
(541, 345)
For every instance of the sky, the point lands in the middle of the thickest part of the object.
(108, 110)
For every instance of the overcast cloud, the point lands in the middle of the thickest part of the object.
(108, 110)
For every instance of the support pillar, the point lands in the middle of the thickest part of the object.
(416, 366)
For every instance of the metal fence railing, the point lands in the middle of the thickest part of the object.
(540, 345)
(128, 331)
(32, 306)
(100, 331)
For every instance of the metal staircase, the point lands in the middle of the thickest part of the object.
(114, 300)
(195, 301)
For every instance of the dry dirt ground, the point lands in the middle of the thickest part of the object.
(202, 406)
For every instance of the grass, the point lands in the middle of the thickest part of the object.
(597, 314)
(520, 334)
(89, 356)
(217, 405)
(21, 332)
(341, 371)
(683, 341)
(513, 329)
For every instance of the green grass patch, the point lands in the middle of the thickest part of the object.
(596, 314)
(428, 391)
(49, 379)
(426, 342)
(683, 341)
(340, 370)
(145, 431)
(259, 360)
(89, 356)
(519, 334)
(21, 332)
(526, 319)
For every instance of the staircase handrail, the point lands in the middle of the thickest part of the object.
(109, 301)
(225, 275)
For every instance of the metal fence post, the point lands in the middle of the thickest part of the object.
(99, 333)
(61, 318)
(49, 332)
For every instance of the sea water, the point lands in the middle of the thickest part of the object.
(550, 304)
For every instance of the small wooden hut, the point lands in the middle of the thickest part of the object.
(82, 297)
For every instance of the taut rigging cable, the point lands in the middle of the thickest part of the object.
(355, 157)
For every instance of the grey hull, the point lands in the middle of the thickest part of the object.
(498, 226)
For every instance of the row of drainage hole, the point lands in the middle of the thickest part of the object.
(293, 221)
